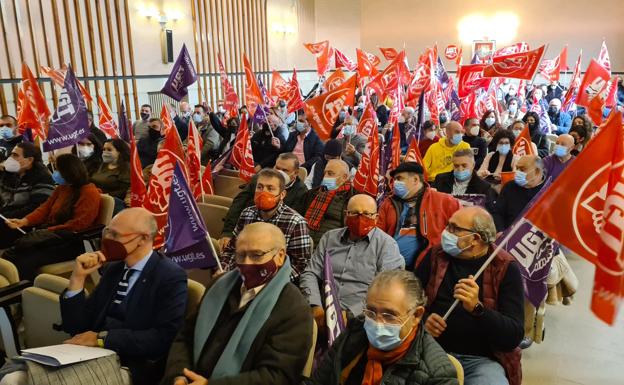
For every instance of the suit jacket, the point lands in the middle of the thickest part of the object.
(444, 183)
(155, 312)
(312, 147)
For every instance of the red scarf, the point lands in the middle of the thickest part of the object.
(319, 206)
(377, 359)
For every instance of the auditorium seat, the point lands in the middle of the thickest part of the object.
(216, 200)
(552, 141)
(227, 186)
(195, 293)
(307, 369)
(229, 172)
(458, 368)
(213, 216)
(8, 273)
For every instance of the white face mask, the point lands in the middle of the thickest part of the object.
(85, 151)
(401, 119)
(11, 165)
(430, 135)
(474, 130)
(490, 121)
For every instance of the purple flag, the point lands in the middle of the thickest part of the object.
(69, 123)
(182, 75)
(468, 200)
(187, 241)
(262, 110)
(331, 304)
(122, 123)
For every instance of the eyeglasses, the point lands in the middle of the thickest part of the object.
(453, 228)
(386, 318)
(112, 234)
(365, 214)
(253, 255)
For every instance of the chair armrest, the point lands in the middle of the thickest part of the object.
(7, 292)
(94, 231)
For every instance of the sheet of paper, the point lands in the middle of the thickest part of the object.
(64, 354)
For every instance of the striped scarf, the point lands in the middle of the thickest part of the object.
(319, 205)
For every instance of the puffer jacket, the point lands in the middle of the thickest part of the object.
(424, 363)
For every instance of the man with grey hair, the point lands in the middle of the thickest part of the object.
(485, 331)
(139, 304)
(388, 336)
(463, 179)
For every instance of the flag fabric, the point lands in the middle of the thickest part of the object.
(193, 160)
(25, 115)
(521, 65)
(69, 123)
(423, 75)
(523, 145)
(342, 61)
(335, 80)
(230, 99)
(37, 107)
(206, 180)
(611, 100)
(413, 155)
(514, 48)
(563, 59)
(391, 78)
(187, 241)
(551, 68)
(137, 183)
(594, 90)
(322, 51)
(159, 187)
(470, 200)
(331, 303)
(367, 177)
(122, 123)
(167, 122)
(279, 87)
(389, 53)
(603, 57)
(575, 83)
(368, 121)
(253, 95)
(242, 157)
(470, 78)
(395, 158)
(581, 210)
(182, 75)
(322, 111)
(58, 77)
(106, 121)
(294, 101)
(365, 64)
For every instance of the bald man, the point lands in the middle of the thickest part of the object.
(358, 252)
(139, 304)
(557, 162)
(253, 326)
(439, 156)
(182, 119)
(325, 205)
(484, 331)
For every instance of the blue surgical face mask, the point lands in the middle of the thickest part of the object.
(462, 175)
(58, 178)
(503, 149)
(456, 139)
(449, 243)
(197, 118)
(348, 130)
(300, 127)
(329, 183)
(561, 151)
(6, 132)
(490, 121)
(342, 114)
(383, 336)
(400, 189)
(520, 178)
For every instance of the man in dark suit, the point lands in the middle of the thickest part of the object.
(305, 143)
(463, 179)
(139, 304)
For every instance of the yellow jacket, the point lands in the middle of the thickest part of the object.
(439, 158)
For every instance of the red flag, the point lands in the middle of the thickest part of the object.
(253, 95)
(395, 159)
(611, 100)
(563, 59)
(206, 181)
(230, 99)
(551, 69)
(413, 155)
(574, 84)
(582, 210)
(167, 122)
(389, 53)
(423, 75)
(523, 145)
(471, 78)
(368, 121)
(137, 183)
(159, 188)
(37, 103)
(193, 160)
(242, 157)
(323, 110)
(593, 90)
(603, 57)
(25, 115)
(294, 101)
(341, 60)
(279, 86)
(365, 65)
(392, 77)
(520, 65)
(514, 48)
(322, 52)
(335, 80)
(506, 177)
(367, 177)
(106, 121)
(58, 77)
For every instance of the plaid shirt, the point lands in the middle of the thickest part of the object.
(294, 227)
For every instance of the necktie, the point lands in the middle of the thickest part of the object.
(122, 287)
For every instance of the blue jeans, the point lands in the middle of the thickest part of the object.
(481, 370)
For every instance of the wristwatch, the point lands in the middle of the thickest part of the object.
(101, 338)
(478, 310)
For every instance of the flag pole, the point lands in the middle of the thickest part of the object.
(498, 248)
(17, 228)
(214, 252)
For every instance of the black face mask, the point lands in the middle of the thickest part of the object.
(154, 134)
(144, 116)
(443, 119)
(552, 110)
(532, 126)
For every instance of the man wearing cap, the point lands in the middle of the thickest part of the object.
(332, 150)
(439, 157)
(415, 215)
